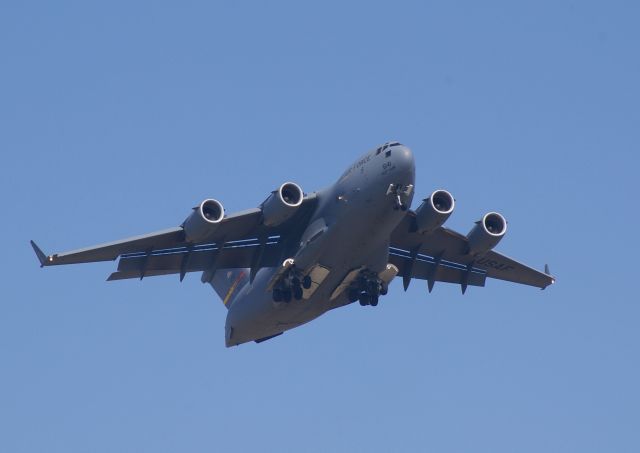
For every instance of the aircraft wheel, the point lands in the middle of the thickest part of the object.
(295, 282)
(373, 300)
(297, 292)
(384, 288)
(353, 295)
(286, 296)
(306, 282)
(373, 288)
(364, 299)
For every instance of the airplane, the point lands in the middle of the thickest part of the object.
(298, 255)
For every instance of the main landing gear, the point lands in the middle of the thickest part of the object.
(367, 289)
(291, 286)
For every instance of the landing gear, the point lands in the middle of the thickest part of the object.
(286, 294)
(399, 204)
(399, 193)
(368, 299)
(291, 286)
(368, 289)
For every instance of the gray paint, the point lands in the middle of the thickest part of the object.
(360, 222)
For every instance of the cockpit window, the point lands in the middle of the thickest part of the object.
(387, 146)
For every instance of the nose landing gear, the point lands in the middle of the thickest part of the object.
(400, 193)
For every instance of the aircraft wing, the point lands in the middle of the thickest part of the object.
(442, 256)
(240, 240)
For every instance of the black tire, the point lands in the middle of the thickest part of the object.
(373, 300)
(353, 295)
(286, 295)
(306, 282)
(384, 288)
(373, 288)
(364, 299)
(297, 292)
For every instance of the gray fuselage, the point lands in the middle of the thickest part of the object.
(349, 229)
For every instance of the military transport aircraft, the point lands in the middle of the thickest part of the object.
(299, 255)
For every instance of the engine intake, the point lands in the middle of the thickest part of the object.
(486, 234)
(282, 204)
(203, 221)
(434, 211)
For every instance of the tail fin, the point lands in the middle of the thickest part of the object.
(227, 282)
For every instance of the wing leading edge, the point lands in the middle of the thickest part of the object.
(240, 240)
(442, 255)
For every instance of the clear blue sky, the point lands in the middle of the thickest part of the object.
(117, 118)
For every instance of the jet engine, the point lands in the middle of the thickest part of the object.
(487, 233)
(281, 204)
(203, 220)
(434, 211)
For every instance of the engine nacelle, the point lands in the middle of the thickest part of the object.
(281, 204)
(434, 211)
(487, 233)
(203, 221)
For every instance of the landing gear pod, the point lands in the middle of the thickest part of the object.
(203, 221)
(434, 211)
(282, 204)
(487, 233)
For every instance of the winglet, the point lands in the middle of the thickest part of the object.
(40, 254)
(548, 272)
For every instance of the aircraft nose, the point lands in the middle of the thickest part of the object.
(405, 163)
